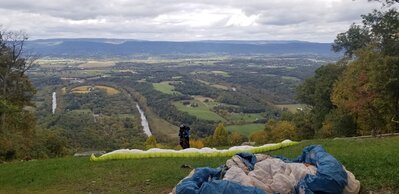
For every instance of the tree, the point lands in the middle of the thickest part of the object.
(220, 135)
(303, 124)
(338, 123)
(316, 92)
(282, 130)
(236, 138)
(16, 89)
(384, 28)
(259, 137)
(379, 28)
(368, 89)
(387, 2)
(355, 38)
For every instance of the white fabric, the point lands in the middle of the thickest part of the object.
(353, 186)
(271, 175)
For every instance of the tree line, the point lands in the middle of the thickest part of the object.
(358, 95)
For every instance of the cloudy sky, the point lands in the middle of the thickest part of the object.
(308, 20)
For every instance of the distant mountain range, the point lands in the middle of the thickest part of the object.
(128, 47)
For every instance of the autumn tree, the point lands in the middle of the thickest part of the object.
(359, 94)
(259, 137)
(16, 91)
(368, 89)
(220, 135)
(282, 130)
(235, 138)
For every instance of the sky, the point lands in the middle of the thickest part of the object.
(184, 20)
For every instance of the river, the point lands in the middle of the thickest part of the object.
(144, 122)
(54, 105)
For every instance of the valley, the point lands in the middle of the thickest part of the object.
(243, 92)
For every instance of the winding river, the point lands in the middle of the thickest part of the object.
(144, 122)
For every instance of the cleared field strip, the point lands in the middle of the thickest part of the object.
(165, 87)
(87, 89)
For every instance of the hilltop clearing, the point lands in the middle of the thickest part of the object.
(371, 161)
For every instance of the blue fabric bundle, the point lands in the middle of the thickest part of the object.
(330, 177)
(207, 181)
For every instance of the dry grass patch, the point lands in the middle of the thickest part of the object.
(87, 89)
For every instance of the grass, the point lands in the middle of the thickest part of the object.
(165, 87)
(202, 111)
(79, 175)
(374, 162)
(246, 129)
(244, 117)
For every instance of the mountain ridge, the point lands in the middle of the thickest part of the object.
(100, 47)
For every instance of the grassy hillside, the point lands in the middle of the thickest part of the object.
(374, 162)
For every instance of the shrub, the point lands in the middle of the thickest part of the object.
(151, 142)
(282, 130)
(220, 136)
(236, 138)
(259, 137)
(196, 143)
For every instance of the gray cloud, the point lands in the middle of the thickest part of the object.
(318, 20)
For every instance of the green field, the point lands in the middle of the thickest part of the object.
(244, 117)
(246, 129)
(202, 111)
(165, 87)
(291, 107)
(373, 161)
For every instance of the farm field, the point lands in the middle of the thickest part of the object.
(87, 89)
(96, 64)
(247, 118)
(165, 87)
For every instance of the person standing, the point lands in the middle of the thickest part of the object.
(184, 136)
